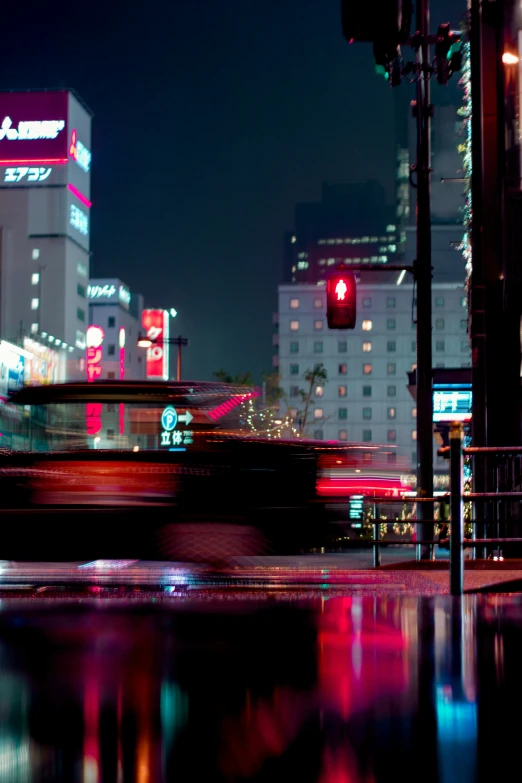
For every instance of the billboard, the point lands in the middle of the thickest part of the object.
(12, 367)
(43, 366)
(452, 404)
(33, 128)
(156, 326)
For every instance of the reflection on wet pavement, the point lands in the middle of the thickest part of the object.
(352, 689)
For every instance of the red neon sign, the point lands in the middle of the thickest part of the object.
(95, 335)
(80, 196)
(156, 326)
(73, 149)
(34, 127)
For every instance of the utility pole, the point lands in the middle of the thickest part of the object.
(423, 274)
(180, 342)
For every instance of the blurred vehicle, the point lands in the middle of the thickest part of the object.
(147, 470)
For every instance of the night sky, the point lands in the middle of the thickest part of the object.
(212, 118)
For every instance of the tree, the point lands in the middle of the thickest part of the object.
(316, 375)
(244, 379)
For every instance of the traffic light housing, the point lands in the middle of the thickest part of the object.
(448, 58)
(341, 295)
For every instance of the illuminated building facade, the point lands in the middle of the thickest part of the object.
(352, 223)
(366, 398)
(114, 309)
(45, 164)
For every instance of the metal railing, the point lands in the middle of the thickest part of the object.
(499, 508)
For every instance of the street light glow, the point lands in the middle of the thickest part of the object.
(509, 58)
(144, 342)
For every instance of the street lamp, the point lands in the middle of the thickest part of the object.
(147, 342)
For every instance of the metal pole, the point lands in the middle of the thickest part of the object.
(457, 522)
(423, 277)
(178, 370)
(376, 547)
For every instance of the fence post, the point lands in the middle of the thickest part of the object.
(376, 547)
(457, 521)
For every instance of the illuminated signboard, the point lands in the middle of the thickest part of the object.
(79, 220)
(12, 367)
(452, 404)
(79, 152)
(110, 292)
(95, 335)
(27, 174)
(33, 128)
(356, 510)
(171, 437)
(156, 325)
(44, 365)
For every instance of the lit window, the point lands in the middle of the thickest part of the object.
(80, 314)
(35, 278)
(392, 457)
(343, 413)
(35, 254)
(463, 302)
(343, 434)
(34, 328)
(318, 325)
(294, 369)
(390, 301)
(464, 345)
(367, 391)
(367, 369)
(392, 413)
(319, 391)
(391, 369)
(367, 456)
(439, 345)
(343, 369)
(294, 326)
(367, 301)
(367, 347)
(318, 413)
(367, 326)
(367, 413)
(342, 391)
(318, 434)
(392, 436)
(413, 346)
(367, 436)
(342, 346)
(414, 434)
(294, 391)
(318, 347)
(81, 340)
(464, 324)
(318, 303)
(294, 304)
(294, 347)
(414, 413)
(81, 269)
(439, 301)
(293, 412)
(35, 304)
(391, 346)
(391, 391)
(439, 323)
(413, 367)
(391, 323)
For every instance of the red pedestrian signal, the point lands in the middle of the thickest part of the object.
(341, 292)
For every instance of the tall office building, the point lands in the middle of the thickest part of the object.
(45, 164)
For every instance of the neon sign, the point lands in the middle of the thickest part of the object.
(95, 336)
(80, 196)
(33, 174)
(124, 295)
(101, 291)
(156, 325)
(34, 129)
(79, 152)
(79, 220)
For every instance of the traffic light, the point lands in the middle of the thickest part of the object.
(448, 58)
(341, 293)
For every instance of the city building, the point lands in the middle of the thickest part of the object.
(352, 223)
(366, 398)
(45, 163)
(118, 314)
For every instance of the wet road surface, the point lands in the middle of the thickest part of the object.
(317, 689)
